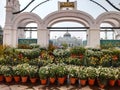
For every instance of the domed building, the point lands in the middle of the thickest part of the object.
(67, 39)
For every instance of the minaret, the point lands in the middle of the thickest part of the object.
(11, 6)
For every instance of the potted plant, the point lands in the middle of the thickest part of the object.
(118, 73)
(24, 68)
(43, 74)
(82, 75)
(112, 76)
(102, 76)
(92, 74)
(77, 51)
(16, 73)
(72, 72)
(105, 60)
(7, 72)
(1, 74)
(52, 73)
(61, 73)
(33, 73)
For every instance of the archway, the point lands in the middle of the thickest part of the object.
(70, 16)
(109, 22)
(21, 21)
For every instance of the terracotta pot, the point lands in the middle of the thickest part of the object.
(52, 80)
(118, 81)
(112, 82)
(1, 78)
(43, 81)
(102, 86)
(102, 83)
(91, 82)
(24, 79)
(33, 80)
(16, 78)
(72, 80)
(61, 80)
(8, 79)
(83, 82)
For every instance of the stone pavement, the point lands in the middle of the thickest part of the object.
(14, 86)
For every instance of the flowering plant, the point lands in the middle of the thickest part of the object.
(91, 72)
(61, 70)
(72, 70)
(7, 70)
(102, 75)
(112, 73)
(16, 71)
(52, 70)
(105, 60)
(23, 69)
(43, 72)
(33, 71)
(61, 52)
(82, 73)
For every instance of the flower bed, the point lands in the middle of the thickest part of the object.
(101, 65)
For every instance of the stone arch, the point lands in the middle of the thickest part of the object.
(71, 15)
(75, 16)
(21, 20)
(110, 17)
(27, 18)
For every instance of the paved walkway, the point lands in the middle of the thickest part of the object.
(14, 86)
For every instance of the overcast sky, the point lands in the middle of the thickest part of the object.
(52, 5)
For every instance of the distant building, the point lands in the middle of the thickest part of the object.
(67, 39)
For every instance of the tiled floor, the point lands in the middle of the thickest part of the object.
(20, 86)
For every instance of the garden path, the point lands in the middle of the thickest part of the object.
(51, 87)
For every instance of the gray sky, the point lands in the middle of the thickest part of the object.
(52, 5)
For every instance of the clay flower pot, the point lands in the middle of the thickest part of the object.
(112, 82)
(24, 79)
(83, 82)
(16, 78)
(72, 80)
(91, 82)
(33, 80)
(52, 80)
(61, 80)
(43, 81)
(1, 78)
(8, 79)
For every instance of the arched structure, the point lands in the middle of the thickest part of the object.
(21, 20)
(110, 17)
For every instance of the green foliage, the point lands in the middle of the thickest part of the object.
(82, 73)
(43, 72)
(61, 70)
(72, 71)
(7, 70)
(33, 71)
(77, 50)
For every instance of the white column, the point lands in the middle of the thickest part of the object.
(93, 38)
(7, 39)
(14, 38)
(43, 37)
